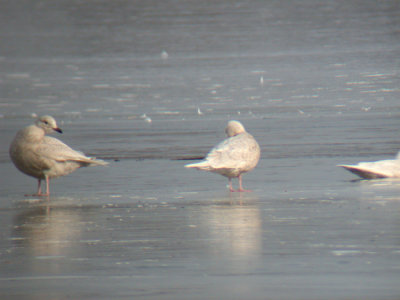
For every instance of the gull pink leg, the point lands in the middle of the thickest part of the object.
(39, 188)
(39, 191)
(240, 185)
(230, 185)
(47, 187)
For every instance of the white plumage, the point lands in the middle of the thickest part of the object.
(389, 168)
(236, 155)
(44, 157)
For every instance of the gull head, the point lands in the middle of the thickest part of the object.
(234, 128)
(48, 124)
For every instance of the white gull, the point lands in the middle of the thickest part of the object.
(237, 154)
(389, 168)
(44, 157)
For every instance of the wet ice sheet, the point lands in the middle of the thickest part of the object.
(211, 245)
(289, 238)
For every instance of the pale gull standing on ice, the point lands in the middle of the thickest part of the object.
(389, 168)
(236, 155)
(45, 157)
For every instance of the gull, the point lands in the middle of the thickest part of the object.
(45, 157)
(237, 154)
(388, 168)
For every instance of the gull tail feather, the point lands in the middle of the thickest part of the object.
(363, 173)
(203, 165)
(92, 161)
(99, 162)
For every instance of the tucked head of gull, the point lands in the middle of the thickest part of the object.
(44, 157)
(237, 154)
(234, 128)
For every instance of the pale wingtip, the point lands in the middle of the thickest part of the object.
(199, 165)
(363, 173)
(344, 166)
(190, 166)
(98, 162)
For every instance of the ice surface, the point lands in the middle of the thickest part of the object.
(147, 228)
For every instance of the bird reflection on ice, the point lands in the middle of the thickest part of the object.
(387, 189)
(49, 233)
(234, 227)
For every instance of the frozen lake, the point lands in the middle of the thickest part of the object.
(316, 82)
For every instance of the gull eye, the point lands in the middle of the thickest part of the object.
(45, 122)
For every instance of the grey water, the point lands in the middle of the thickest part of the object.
(149, 86)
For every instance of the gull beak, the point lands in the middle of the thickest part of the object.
(57, 129)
